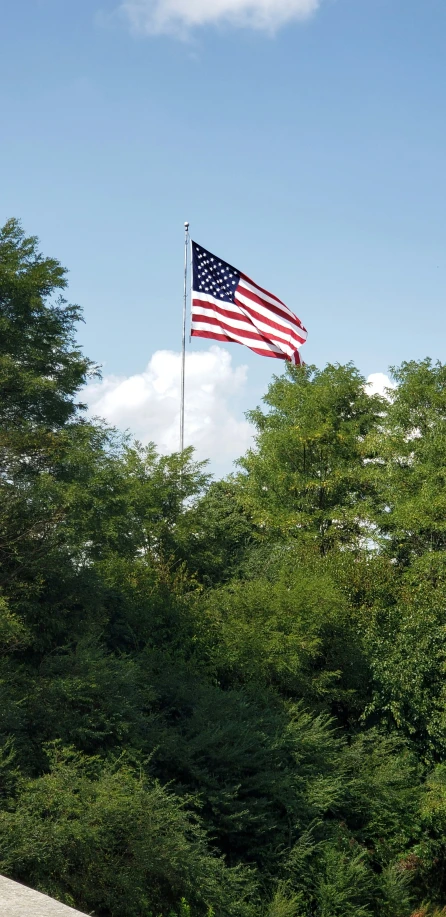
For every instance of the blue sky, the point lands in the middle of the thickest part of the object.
(306, 150)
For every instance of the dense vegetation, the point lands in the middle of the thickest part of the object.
(219, 698)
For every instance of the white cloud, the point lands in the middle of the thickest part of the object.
(148, 404)
(377, 383)
(153, 17)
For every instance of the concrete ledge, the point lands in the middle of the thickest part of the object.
(19, 901)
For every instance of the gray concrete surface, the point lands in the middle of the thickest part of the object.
(19, 901)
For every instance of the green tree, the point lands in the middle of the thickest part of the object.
(110, 839)
(410, 461)
(218, 699)
(307, 474)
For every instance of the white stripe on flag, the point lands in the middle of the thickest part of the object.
(269, 299)
(253, 316)
(287, 343)
(252, 343)
(286, 326)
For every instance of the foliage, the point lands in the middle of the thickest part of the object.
(307, 474)
(106, 837)
(219, 699)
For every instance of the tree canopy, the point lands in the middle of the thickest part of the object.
(219, 698)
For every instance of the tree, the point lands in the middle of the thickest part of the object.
(219, 699)
(108, 838)
(307, 474)
(410, 461)
(41, 367)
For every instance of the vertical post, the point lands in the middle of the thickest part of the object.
(183, 351)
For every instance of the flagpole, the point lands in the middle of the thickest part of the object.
(183, 350)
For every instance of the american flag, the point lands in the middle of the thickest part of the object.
(228, 306)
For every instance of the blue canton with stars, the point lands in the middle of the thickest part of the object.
(213, 276)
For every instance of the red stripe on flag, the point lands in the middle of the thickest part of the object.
(211, 335)
(261, 290)
(240, 321)
(287, 316)
(249, 332)
(253, 316)
(286, 329)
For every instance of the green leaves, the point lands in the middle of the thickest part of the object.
(219, 699)
(307, 474)
(41, 367)
(108, 838)
(411, 453)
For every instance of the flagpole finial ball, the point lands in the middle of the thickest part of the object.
(186, 225)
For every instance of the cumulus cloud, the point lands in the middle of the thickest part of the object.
(377, 383)
(153, 17)
(148, 404)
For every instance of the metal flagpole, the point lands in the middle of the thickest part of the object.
(183, 352)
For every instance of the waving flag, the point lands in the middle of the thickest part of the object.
(228, 306)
